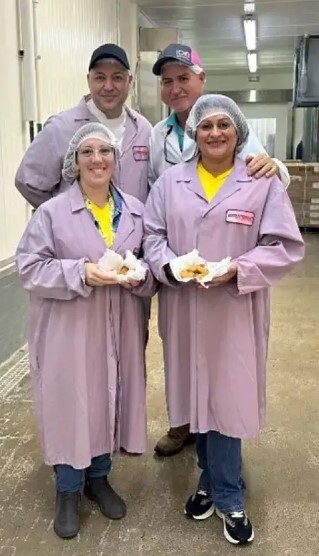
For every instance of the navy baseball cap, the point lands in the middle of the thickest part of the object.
(109, 50)
(177, 52)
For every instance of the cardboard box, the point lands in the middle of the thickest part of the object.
(312, 208)
(312, 183)
(297, 179)
(309, 222)
(311, 215)
(297, 191)
(296, 199)
(313, 169)
(312, 200)
(296, 168)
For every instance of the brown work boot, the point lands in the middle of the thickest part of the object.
(174, 441)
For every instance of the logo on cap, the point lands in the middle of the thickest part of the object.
(183, 55)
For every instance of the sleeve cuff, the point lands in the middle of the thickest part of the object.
(284, 174)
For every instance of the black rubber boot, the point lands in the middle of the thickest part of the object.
(67, 515)
(100, 491)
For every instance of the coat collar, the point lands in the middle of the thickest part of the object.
(133, 206)
(83, 113)
(232, 184)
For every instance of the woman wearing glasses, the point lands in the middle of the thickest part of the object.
(86, 332)
(215, 339)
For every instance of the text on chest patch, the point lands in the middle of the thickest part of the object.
(240, 217)
(140, 153)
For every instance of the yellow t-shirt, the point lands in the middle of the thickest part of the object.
(211, 184)
(104, 217)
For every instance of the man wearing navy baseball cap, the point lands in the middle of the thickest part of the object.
(109, 52)
(109, 80)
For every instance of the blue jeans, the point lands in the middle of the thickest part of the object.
(69, 479)
(219, 457)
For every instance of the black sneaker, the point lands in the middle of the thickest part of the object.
(237, 527)
(199, 506)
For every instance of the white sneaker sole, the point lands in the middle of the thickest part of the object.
(227, 535)
(206, 515)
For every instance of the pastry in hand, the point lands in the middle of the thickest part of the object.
(198, 271)
(123, 270)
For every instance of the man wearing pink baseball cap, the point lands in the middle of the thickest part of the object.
(182, 80)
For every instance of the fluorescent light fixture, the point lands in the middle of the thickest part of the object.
(250, 30)
(249, 8)
(252, 95)
(252, 61)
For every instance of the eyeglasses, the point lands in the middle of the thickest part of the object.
(88, 152)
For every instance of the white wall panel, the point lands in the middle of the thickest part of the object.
(231, 82)
(298, 127)
(12, 206)
(278, 111)
(128, 40)
(68, 32)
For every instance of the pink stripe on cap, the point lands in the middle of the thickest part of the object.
(188, 56)
(195, 59)
(181, 53)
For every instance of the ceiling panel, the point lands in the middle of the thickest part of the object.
(214, 29)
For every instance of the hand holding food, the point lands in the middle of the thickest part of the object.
(96, 277)
(127, 269)
(192, 267)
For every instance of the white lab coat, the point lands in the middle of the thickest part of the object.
(163, 134)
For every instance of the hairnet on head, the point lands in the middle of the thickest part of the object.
(211, 105)
(93, 130)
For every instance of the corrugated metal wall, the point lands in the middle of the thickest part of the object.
(128, 20)
(68, 32)
(12, 208)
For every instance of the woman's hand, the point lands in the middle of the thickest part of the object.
(96, 277)
(225, 278)
(130, 283)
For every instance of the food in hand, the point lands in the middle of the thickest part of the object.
(198, 271)
(123, 270)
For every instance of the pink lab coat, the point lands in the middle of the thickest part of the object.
(86, 344)
(215, 340)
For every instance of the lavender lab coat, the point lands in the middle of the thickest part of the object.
(215, 340)
(39, 174)
(86, 345)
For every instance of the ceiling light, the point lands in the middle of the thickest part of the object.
(249, 8)
(250, 30)
(252, 95)
(252, 61)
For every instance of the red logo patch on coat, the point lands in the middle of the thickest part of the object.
(141, 153)
(240, 217)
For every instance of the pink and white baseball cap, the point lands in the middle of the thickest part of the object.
(180, 53)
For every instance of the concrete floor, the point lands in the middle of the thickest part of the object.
(281, 468)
